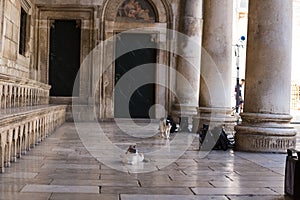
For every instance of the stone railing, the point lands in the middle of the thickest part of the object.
(16, 92)
(22, 128)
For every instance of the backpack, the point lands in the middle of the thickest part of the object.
(224, 141)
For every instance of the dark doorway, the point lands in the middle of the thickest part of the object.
(64, 57)
(132, 51)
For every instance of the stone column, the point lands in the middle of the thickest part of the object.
(216, 65)
(265, 123)
(188, 63)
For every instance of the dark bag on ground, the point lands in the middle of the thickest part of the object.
(224, 141)
(292, 174)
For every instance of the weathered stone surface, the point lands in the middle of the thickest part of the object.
(216, 65)
(188, 63)
(61, 168)
(266, 120)
(22, 128)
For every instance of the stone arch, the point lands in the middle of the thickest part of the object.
(162, 10)
(111, 26)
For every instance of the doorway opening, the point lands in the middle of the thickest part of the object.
(142, 52)
(64, 58)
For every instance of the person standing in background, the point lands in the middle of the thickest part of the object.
(241, 95)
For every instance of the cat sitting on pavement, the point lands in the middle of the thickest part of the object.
(132, 157)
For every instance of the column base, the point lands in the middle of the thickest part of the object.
(186, 113)
(184, 110)
(215, 117)
(265, 133)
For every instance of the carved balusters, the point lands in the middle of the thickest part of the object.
(1, 96)
(13, 95)
(2, 149)
(9, 102)
(14, 144)
(8, 147)
(31, 139)
(5, 99)
(12, 98)
(21, 93)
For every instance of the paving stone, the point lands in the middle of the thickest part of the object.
(23, 196)
(67, 196)
(200, 178)
(236, 177)
(257, 197)
(60, 189)
(116, 177)
(233, 191)
(73, 182)
(11, 187)
(61, 168)
(71, 166)
(76, 171)
(246, 183)
(69, 175)
(20, 175)
(169, 197)
(141, 190)
(278, 190)
(179, 183)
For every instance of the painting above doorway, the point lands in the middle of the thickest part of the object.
(136, 10)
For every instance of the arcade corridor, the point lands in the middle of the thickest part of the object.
(61, 168)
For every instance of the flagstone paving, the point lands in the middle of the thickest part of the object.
(69, 166)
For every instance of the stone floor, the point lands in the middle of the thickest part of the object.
(68, 165)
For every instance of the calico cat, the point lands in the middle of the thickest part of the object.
(132, 157)
(165, 127)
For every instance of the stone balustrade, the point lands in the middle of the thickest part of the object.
(16, 92)
(22, 128)
(25, 117)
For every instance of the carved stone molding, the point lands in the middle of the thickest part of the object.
(261, 132)
(160, 7)
(262, 143)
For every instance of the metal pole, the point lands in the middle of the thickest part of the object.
(238, 88)
(237, 99)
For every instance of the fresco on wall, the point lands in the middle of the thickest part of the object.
(136, 10)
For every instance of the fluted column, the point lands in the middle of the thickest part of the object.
(216, 64)
(266, 120)
(188, 65)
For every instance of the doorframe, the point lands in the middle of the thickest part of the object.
(87, 42)
(107, 79)
(109, 26)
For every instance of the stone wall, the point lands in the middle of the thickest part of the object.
(98, 24)
(25, 116)
(11, 62)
